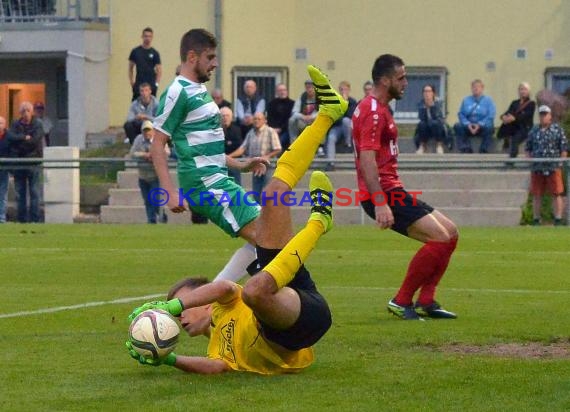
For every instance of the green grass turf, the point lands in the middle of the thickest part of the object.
(507, 285)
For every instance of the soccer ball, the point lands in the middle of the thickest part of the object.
(154, 333)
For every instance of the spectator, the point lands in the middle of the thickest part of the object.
(367, 88)
(148, 180)
(342, 128)
(546, 140)
(26, 141)
(476, 116)
(146, 60)
(278, 113)
(304, 111)
(4, 175)
(517, 121)
(432, 121)
(219, 99)
(558, 103)
(248, 104)
(233, 138)
(260, 141)
(47, 124)
(143, 108)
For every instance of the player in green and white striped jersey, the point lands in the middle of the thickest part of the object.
(188, 117)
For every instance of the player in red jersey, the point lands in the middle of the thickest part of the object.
(376, 146)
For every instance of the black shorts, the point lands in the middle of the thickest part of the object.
(406, 209)
(315, 317)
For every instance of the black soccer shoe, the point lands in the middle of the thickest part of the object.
(434, 311)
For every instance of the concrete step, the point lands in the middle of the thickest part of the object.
(346, 215)
(471, 179)
(125, 197)
(492, 216)
(438, 198)
(129, 179)
(424, 179)
(136, 214)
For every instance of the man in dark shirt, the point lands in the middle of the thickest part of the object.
(233, 137)
(278, 114)
(26, 141)
(146, 59)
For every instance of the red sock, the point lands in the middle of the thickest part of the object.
(420, 270)
(427, 293)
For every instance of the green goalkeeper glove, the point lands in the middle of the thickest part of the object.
(173, 306)
(169, 360)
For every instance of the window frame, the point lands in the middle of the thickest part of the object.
(411, 117)
(550, 73)
(279, 74)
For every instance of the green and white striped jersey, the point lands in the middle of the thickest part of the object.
(190, 117)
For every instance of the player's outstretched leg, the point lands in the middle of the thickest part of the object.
(296, 160)
(285, 265)
(321, 191)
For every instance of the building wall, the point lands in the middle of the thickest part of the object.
(461, 36)
(96, 87)
(169, 20)
(33, 56)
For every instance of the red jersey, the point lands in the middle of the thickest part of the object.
(373, 128)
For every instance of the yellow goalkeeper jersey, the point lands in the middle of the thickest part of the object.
(236, 339)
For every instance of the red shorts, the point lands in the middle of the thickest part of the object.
(551, 184)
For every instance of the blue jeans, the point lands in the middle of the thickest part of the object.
(285, 141)
(431, 129)
(344, 131)
(464, 144)
(27, 180)
(151, 209)
(257, 185)
(3, 194)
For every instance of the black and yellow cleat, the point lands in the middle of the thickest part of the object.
(331, 103)
(321, 191)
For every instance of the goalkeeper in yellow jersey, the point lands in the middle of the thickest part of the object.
(269, 325)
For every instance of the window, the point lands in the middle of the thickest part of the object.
(406, 109)
(266, 79)
(557, 79)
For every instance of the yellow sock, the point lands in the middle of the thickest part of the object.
(293, 164)
(286, 264)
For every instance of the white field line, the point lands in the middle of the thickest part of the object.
(78, 306)
(144, 298)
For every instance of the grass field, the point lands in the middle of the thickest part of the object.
(509, 286)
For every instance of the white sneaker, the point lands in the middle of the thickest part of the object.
(420, 150)
(439, 149)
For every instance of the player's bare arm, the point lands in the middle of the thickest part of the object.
(158, 71)
(253, 164)
(369, 169)
(222, 291)
(131, 73)
(160, 162)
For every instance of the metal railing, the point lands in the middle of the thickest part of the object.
(30, 11)
(447, 162)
